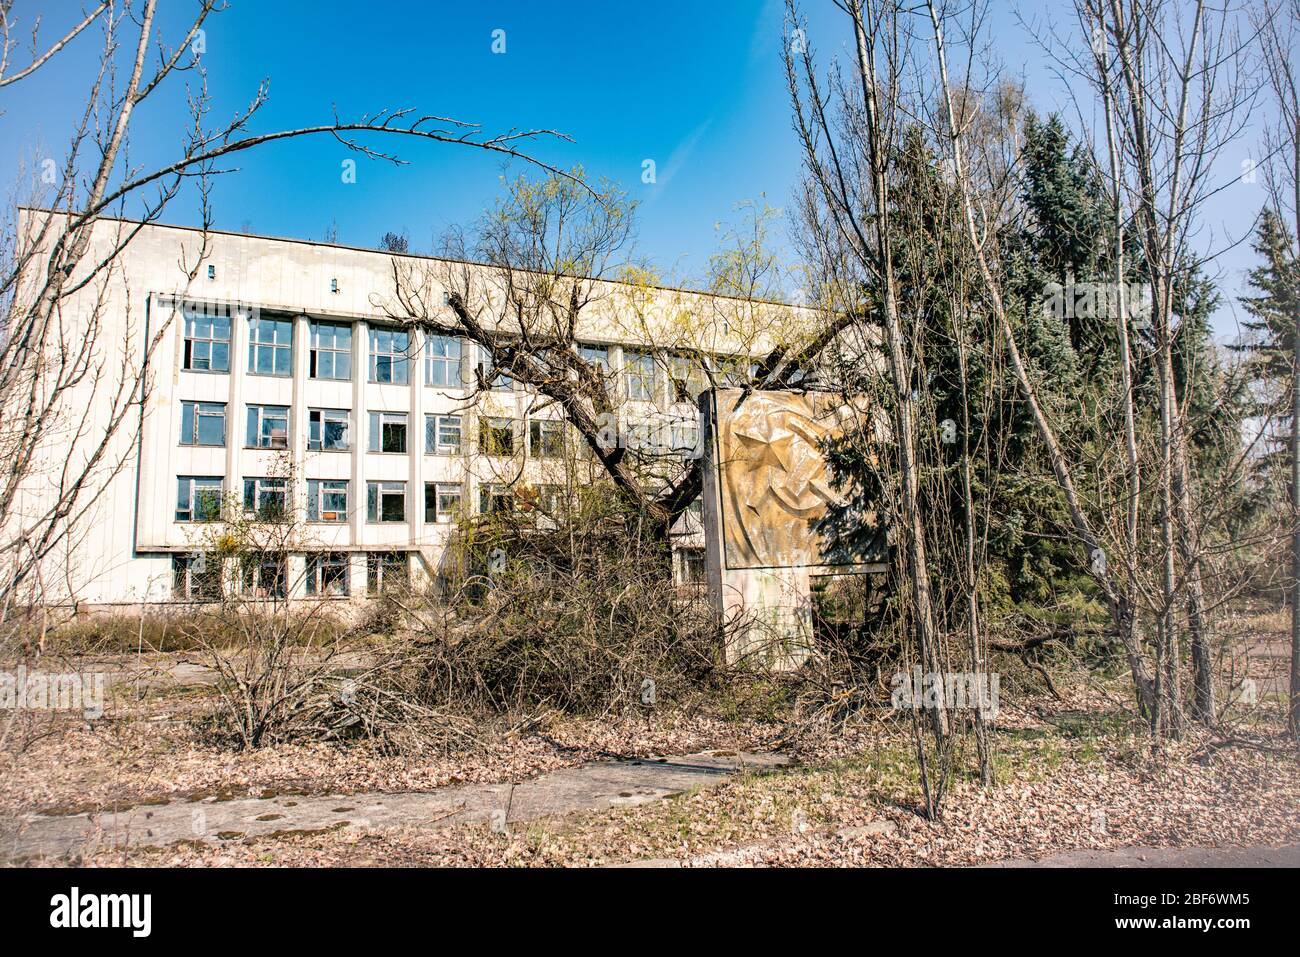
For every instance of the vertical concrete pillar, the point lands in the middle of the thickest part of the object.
(415, 443)
(236, 413)
(298, 425)
(360, 376)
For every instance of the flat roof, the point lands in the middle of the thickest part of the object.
(384, 252)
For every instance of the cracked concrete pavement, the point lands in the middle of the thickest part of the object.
(592, 787)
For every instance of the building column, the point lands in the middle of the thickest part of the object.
(237, 415)
(357, 436)
(415, 441)
(298, 426)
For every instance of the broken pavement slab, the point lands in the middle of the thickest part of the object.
(593, 787)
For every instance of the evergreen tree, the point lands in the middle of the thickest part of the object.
(1271, 331)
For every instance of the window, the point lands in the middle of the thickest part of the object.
(597, 356)
(442, 362)
(501, 382)
(196, 577)
(264, 576)
(268, 427)
(270, 347)
(386, 501)
(327, 575)
(198, 499)
(386, 570)
(441, 502)
(687, 378)
(494, 498)
(546, 438)
(693, 567)
(331, 350)
(442, 434)
(265, 499)
(496, 437)
(207, 341)
(388, 350)
(327, 500)
(387, 432)
(203, 423)
(639, 375)
(328, 430)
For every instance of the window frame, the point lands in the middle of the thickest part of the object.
(491, 425)
(265, 484)
(316, 564)
(538, 430)
(597, 355)
(433, 434)
(399, 359)
(195, 410)
(502, 382)
(687, 378)
(440, 515)
(256, 345)
(316, 422)
(192, 498)
(488, 491)
(376, 421)
(440, 357)
(255, 419)
(191, 334)
(377, 490)
(677, 431)
(189, 585)
(735, 371)
(317, 349)
(317, 489)
(646, 376)
(251, 582)
(380, 564)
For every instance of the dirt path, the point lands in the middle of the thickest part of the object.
(593, 787)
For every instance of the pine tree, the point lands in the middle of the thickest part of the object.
(1270, 343)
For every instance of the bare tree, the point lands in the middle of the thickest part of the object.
(852, 134)
(543, 283)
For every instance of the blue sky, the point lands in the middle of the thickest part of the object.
(696, 87)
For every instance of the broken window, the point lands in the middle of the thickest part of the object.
(268, 427)
(328, 430)
(386, 502)
(387, 432)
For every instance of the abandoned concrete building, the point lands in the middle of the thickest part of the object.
(280, 380)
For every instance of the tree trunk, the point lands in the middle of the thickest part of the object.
(1293, 710)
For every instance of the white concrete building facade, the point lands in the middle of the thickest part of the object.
(279, 375)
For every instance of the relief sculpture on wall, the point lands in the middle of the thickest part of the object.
(775, 483)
